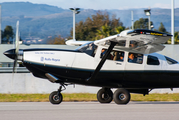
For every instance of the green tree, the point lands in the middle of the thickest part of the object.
(82, 31)
(176, 37)
(2, 35)
(90, 29)
(119, 29)
(105, 31)
(57, 40)
(176, 40)
(162, 28)
(142, 23)
(8, 33)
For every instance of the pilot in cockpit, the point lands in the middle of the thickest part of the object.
(103, 52)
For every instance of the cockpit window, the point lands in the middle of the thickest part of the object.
(89, 48)
(170, 61)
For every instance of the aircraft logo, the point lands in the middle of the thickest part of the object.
(42, 58)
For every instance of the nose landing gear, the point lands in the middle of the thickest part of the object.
(56, 96)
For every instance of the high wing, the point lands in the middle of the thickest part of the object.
(137, 41)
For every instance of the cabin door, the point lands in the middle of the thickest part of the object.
(134, 69)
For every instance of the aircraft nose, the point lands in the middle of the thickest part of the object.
(10, 53)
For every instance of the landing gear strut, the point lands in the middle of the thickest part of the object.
(56, 96)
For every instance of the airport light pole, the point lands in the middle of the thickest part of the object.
(147, 12)
(172, 22)
(75, 11)
(132, 19)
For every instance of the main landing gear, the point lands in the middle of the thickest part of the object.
(120, 96)
(105, 95)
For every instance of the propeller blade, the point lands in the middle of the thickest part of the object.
(17, 38)
(15, 65)
(16, 47)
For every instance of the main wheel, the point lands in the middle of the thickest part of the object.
(105, 95)
(121, 96)
(55, 98)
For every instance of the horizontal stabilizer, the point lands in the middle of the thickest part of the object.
(76, 43)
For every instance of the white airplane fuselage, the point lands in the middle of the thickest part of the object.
(73, 66)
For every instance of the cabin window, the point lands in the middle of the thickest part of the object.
(114, 55)
(135, 58)
(89, 48)
(151, 60)
(119, 43)
(134, 43)
(170, 61)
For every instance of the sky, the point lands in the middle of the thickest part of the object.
(104, 4)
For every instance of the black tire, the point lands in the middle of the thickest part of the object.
(54, 98)
(121, 96)
(105, 95)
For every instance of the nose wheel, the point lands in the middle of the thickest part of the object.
(56, 96)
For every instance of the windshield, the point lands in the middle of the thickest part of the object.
(170, 61)
(88, 48)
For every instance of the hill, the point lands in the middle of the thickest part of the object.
(40, 20)
(28, 9)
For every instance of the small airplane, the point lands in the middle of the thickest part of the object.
(126, 61)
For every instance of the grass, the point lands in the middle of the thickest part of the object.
(23, 97)
(155, 97)
(83, 97)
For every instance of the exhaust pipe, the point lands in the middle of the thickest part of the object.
(51, 78)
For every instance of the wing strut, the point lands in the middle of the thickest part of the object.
(98, 68)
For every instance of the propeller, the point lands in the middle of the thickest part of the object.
(16, 47)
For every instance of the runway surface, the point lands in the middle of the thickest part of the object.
(89, 111)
